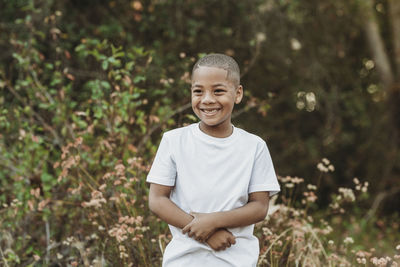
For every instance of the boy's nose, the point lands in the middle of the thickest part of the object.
(208, 98)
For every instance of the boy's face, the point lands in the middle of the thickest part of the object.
(213, 98)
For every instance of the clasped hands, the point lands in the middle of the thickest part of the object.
(203, 229)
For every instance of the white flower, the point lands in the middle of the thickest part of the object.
(295, 44)
(326, 161)
(348, 240)
(322, 168)
(289, 185)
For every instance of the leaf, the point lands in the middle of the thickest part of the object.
(104, 65)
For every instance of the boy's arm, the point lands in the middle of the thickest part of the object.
(169, 212)
(204, 224)
(164, 208)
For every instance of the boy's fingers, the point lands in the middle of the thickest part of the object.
(185, 229)
(232, 240)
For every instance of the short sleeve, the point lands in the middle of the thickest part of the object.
(263, 177)
(163, 169)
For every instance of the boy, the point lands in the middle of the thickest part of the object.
(211, 181)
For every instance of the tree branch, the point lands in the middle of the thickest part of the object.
(378, 200)
(394, 14)
(377, 46)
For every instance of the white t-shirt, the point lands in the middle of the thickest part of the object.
(212, 174)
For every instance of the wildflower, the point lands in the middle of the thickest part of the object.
(289, 185)
(347, 193)
(348, 240)
(42, 204)
(297, 180)
(334, 257)
(35, 192)
(266, 231)
(107, 175)
(362, 260)
(331, 242)
(360, 254)
(310, 196)
(120, 169)
(356, 181)
(322, 168)
(365, 187)
(295, 44)
(398, 247)
(94, 236)
(284, 179)
(36, 257)
(381, 261)
(325, 166)
(327, 231)
(311, 187)
(78, 141)
(326, 161)
(97, 199)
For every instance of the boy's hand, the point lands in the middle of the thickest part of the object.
(201, 227)
(221, 239)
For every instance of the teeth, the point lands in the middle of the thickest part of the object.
(210, 111)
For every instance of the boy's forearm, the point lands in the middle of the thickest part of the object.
(254, 211)
(249, 214)
(169, 212)
(164, 208)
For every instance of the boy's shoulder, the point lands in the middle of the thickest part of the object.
(250, 137)
(177, 132)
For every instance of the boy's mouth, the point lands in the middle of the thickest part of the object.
(210, 111)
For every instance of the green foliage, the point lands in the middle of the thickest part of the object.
(86, 90)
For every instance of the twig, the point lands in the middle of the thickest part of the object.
(2, 256)
(47, 258)
(11, 167)
(253, 59)
(158, 125)
(87, 74)
(242, 110)
(378, 200)
(36, 115)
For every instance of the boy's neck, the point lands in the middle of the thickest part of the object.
(219, 131)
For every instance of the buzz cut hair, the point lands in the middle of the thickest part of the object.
(223, 62)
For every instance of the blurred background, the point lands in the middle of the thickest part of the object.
(88, 87)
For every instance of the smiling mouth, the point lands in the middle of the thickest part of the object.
(210, 111)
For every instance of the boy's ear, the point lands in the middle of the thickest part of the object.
(239, 94)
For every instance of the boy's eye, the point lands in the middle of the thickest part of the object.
(196, 91)
(219, 91)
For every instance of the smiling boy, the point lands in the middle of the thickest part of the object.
(211, 181)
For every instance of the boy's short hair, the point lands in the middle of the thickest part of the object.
(223, 62)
